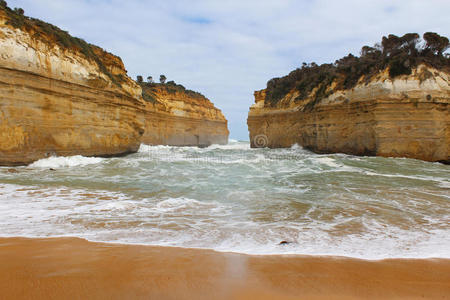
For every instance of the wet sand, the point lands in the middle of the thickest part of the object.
(71, 268)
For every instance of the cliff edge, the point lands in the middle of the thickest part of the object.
(62, 96)
(393, 101)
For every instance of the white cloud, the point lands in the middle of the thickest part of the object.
(228, 49)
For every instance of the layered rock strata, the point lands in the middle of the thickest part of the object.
(60, 96)
(181, 118)
(57, 100)
(403, 117)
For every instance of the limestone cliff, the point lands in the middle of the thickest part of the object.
(180, 117)
(391, 101)
(403, 117)
(62, 96)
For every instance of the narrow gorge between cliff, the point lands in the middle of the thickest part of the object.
(342, 159)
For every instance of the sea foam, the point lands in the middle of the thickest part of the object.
(65, 161)
(236, 199)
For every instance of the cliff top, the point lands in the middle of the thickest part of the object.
(153, 92)
(52, 35)
(395, 55)
(170, 97)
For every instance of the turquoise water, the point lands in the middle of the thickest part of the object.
(233, 198)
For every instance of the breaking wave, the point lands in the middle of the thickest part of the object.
(65, 161)
(234, 198)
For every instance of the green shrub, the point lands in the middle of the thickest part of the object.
(399, 54)
(398, 67)
(150, 88)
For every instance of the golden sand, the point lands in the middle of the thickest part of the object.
(71, 268)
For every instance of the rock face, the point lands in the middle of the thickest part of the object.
(180, 117)
(403, 117)
(62, 96)
(55, 100)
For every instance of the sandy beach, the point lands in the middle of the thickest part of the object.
(72, 268)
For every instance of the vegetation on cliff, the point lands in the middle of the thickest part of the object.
(150, 89)
(39, 29)
(397, 54)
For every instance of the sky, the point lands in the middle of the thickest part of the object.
(228, 49)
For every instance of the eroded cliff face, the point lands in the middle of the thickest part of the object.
(404, 117)
(57, 101)
(180, 118)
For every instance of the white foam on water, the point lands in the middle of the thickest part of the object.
(114, 205)
(238, 199)
(66, 161)
(331, 164)
(146, 148)
(214, 154)
(328, 161)
(161, 148)
(182, 204)
(41, 212)
(445, 184)
(231, 146)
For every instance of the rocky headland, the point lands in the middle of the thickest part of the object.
(393, 101)
(62, 96)
(180, 117)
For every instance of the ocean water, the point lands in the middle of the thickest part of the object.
(233, 198)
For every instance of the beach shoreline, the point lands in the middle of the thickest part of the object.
(73, 268)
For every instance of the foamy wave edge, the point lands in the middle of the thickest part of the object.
(66, 161)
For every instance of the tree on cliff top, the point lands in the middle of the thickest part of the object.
(436, 43)
(150, 79)
(398, 54)
(162, 79)
(19, 11)
(3, 4)
(139, 79)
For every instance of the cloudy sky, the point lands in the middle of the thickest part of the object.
(228, 49)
